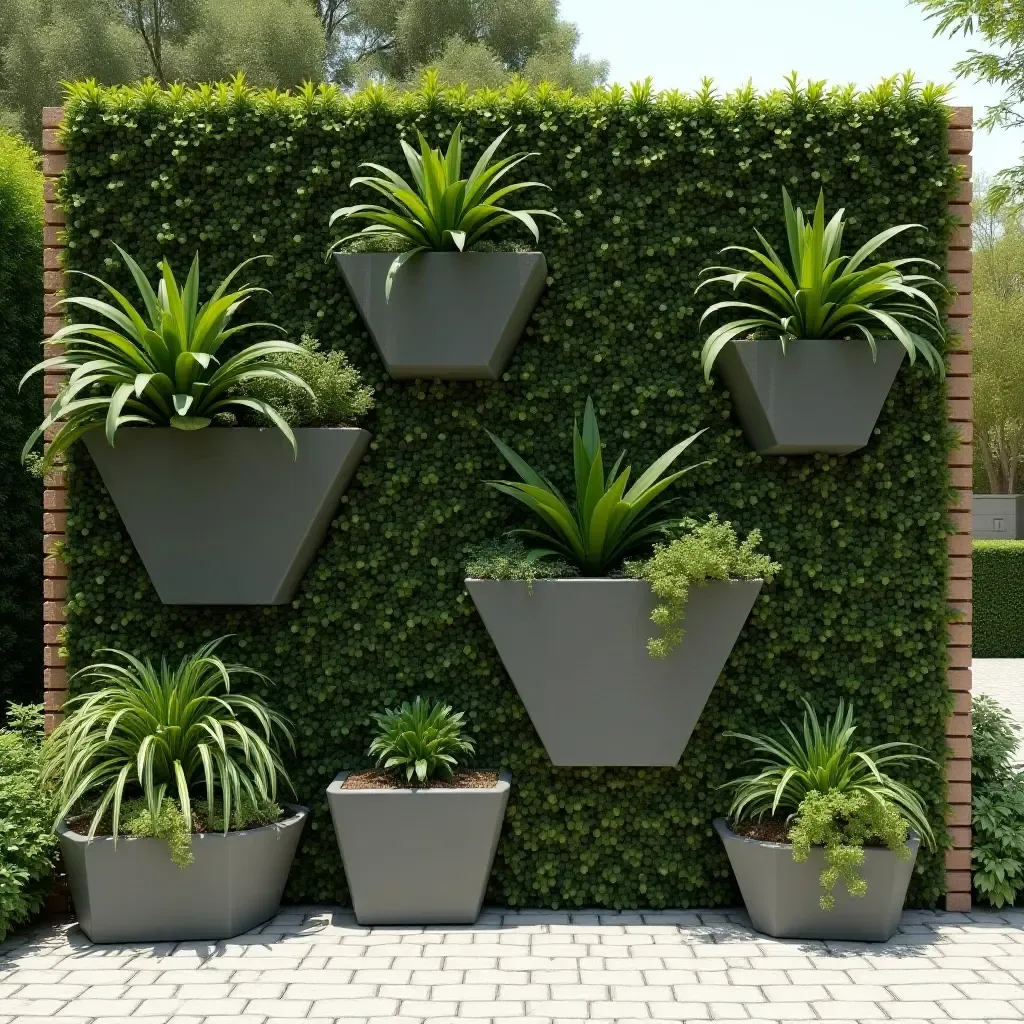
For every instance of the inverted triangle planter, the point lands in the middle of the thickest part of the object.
(225, 515)
(818, 396)
(452, 315)
(576, 651)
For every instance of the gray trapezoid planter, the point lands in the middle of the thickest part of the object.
(452, 315)
(997, 516)
(134, 892)
(225, 515)
(782, 896)
(417, 856)
(818, 396)
(576, 651)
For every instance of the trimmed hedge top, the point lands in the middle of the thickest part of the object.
(998, 599)
(650, 187)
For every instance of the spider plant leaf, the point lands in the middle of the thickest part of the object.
(658, 467)
(400, 261)
(877, 242)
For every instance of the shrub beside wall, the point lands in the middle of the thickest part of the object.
(998, 599)
(650, 188)
(21, 327)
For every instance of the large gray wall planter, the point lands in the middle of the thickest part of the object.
(452, 315)
(997, 516)
(134, 892)
(782, 896)
(225, 515)
(417, 856)
(820, 396)
(576, 650)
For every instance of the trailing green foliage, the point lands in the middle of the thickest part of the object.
(26, 838)
(21, 498)
(842, 822)
(420, 739)
(998, 627)
(510, 559)
(705, 551)
(649, 186)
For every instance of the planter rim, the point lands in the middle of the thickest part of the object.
(814, 341)
(297, 813)
(337, 786)
(219, 428)
(449, 252)
(722, 828)
(599, 579)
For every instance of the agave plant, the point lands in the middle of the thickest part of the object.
(606, 521)
(820, 294)
(420, 739)
(161, 368)
(156, 731)
(440, 211)
(823, 760)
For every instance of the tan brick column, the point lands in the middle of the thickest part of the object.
(958, 729)
(55, 584)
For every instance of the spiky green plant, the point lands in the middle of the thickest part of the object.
(155, 730)
(161, 368)
(440, 211)
(606, 521)
(420, 739)
(821, 294)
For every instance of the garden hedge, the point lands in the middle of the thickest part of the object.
(21, 495)
(649, 187)
(998, 599)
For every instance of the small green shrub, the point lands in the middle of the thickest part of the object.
(706, 551)
(998, 628)
(510, 559)
(420, 739)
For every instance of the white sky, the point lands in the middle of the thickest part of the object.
(862, 41)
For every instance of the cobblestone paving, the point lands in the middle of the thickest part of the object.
(318, 965)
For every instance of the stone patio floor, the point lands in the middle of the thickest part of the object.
(318, 965)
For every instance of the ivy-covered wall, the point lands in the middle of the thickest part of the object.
(649, 188)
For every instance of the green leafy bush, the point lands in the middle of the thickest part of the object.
(26, 837)
(704, 552)
(998, 627)
(420, 739)
(510, 559)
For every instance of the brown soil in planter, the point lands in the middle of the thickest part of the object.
(770, 830)
(80, 825)
(375, 779)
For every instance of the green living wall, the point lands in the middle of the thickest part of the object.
(21, 495)
(998, 630)
(649, 188)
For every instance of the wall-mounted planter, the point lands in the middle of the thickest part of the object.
(134, 892)
(225, 515)
(454, 316)
(417, 856)
(576, 650)
(997, 516)
(820, 396)
(782, 896)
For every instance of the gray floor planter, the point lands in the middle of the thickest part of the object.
(997, 516)
(456, 316)
(134, 892)
(417, 856)
(820, 396)
(576, 650)
(782, 896)
(225, 515)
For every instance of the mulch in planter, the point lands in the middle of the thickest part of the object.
(375, 779)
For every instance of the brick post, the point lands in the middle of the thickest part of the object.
(958, 728)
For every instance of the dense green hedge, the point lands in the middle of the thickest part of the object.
(998, 599)
(650, 187)
(21, 327)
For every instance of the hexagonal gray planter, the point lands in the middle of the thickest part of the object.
(820, 396)
(417, 856)
(134, 892)
(225, 515)
(782, 896)
(452, 315)
(576, 650)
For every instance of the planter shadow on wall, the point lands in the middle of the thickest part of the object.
(226, 515)
(820, 396)
(576, 651)
(452, 315)
(417, 856)
(134, 892)
(782, 896)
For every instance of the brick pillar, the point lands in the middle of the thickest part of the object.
(958, 728)
(55, 583)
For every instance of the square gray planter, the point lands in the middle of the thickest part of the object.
(997, 516)
(134, 892)
(417, 856)
(576, 650)
(452, 315)
(820, 396)
(782, 896)
(225, 515)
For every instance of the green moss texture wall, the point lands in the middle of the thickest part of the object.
(650, 188)
(999, 598)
